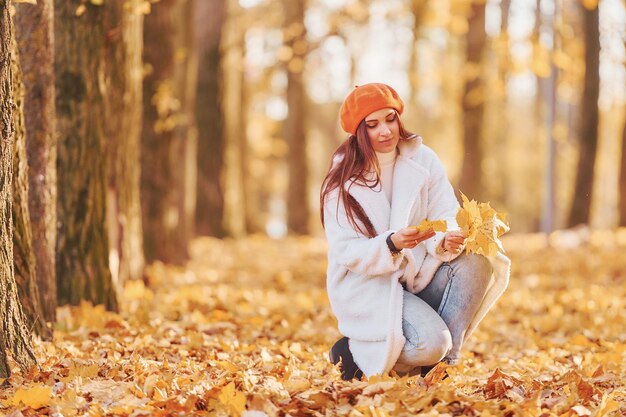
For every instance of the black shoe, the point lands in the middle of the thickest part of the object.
(426, 369)
(340, 353)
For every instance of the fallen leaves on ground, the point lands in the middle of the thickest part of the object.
(245, 327)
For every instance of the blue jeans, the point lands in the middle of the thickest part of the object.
(434, 321)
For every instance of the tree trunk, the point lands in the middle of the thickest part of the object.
(501, 145)
(622, 180)
(82, 243)
(294, 127)
(418, 8)
(124, 29)
(14, 335)
(536, 38)
(471, 183)
(168, 139)
(581, 205)
(23, 256)
(545, 108)
(187, 76)
(210, 199)
(34, 33)
(231, 75)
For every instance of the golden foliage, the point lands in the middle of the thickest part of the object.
(34, 397)
(482, 226)
(436, 225)
(245, 328)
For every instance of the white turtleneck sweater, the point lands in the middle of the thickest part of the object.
(387, 161)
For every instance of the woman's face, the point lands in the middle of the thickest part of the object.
(383, 130)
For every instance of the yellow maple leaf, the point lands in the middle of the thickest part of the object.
(35, 397)
(233, 399)
(229, 366)
(159, 394)
(436, 225)
(482, 225)
(81, 370)
(296, 384)
(607, 406)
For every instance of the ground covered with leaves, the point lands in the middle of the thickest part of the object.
(245, 327)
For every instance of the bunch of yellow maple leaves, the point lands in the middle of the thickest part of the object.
(481, 225)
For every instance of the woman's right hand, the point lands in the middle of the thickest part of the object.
(409, 237)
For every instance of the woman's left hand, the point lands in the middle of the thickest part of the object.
(454, 242)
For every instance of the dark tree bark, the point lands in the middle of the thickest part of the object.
(294, 128)
(23, 256)
(34, 33)
(14, 335)
(471, 183)
(583, 189)
(168, 143)
(210, 199)
(123, 109)
(82, 243)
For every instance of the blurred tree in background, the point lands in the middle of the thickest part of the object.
(34, 33)
(622, 181)
(209, 23)
(295, 46)
(82, 262)
(169, 133)
(473, 99)
(233, 103)
(123, 23)
(581, 205)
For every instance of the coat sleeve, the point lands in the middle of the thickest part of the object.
(353, 250)
(442, 205)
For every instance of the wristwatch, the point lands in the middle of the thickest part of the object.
(391, 246)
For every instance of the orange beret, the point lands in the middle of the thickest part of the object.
(364, 100)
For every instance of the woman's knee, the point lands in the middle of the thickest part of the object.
(432, 347)
(436, 347)
(478, 266)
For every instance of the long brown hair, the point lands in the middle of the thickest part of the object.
(353, 161)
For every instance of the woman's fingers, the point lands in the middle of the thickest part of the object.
(454, 242)
(411, 237)
(427, 235)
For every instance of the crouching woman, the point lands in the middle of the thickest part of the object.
(404, 299)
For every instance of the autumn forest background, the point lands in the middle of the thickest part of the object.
(160, 167)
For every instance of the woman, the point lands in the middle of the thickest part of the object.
(404, 299)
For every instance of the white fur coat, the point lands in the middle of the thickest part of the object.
(364, 280)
